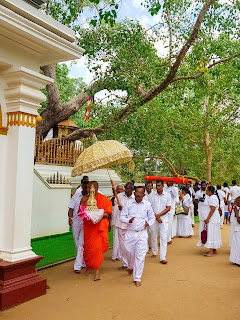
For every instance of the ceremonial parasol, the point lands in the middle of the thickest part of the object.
(102, 154)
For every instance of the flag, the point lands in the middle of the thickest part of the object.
(89, 106)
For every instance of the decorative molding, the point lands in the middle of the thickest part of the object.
(3, 130)
(21, 119)
(23, 93)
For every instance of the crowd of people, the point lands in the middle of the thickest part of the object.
(138, 215)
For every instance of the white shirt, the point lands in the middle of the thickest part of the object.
(227, 191)
(203, 208)
(173, 191)
(221, 195)
(148, 195)
(141, 211)
(160, 202)
(235, 192)
(123, 198)
(74, 204)
(214, 202)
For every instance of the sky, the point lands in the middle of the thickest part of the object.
(130, 9)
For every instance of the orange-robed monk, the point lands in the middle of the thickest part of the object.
(96, 235)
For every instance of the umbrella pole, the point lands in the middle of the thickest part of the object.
(114, 190)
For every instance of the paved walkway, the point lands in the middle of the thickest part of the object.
(190, 286)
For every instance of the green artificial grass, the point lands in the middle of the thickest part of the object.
(196, 219)
(57, 248)
(60, 247)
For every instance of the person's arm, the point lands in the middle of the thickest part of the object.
(151, 216)
(70, 215)
(236, 210)
(124, 216)
(162, 213)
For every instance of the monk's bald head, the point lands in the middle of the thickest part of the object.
(93, 183)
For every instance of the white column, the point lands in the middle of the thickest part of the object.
(23, 98)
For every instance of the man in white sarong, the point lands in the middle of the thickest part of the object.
(115, 251)
(173, 192)
(201, 199)
(161, 203)
(77, 225)
(192, 195)
(235, 245)
(138, 215)
(148, 193)
(234, 193)
(121, 227)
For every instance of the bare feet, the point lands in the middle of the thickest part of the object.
(130, 272)
(97, 275)
(138, 283)
(153, 256)
(113, 260)
(189, 237)
(122, 268)
(169, 242)
(86, 272)
(77, 271)
(163, 261)
(215, 251)
(208, 255)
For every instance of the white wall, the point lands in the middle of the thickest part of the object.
(50, 207)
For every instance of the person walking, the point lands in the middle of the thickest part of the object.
(137, 213)
(173, 192)
(120, 227)
(161, 204)
(116, 250)
(77, 225)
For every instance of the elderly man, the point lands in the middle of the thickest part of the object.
(121, 227)
(137, 213)
(96, 235)
(77, 225)
(161, 204)
(173, 192)
(115, 251)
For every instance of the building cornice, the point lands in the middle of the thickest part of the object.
(50, 47)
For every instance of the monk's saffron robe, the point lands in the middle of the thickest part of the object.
(96, 236)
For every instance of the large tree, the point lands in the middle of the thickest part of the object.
(124, 57)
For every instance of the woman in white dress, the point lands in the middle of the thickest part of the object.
(184, 224)
(213, 223)
(235, 247)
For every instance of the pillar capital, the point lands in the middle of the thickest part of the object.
(23, 93)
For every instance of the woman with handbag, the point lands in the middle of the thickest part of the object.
(184, 224)
(213, 223)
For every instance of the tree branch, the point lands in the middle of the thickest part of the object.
(83, 133)
(153, 93)
(170, 35)
(209, 67)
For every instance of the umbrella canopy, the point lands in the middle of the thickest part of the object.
(101, 154)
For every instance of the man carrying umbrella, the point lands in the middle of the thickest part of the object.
(96, 235)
